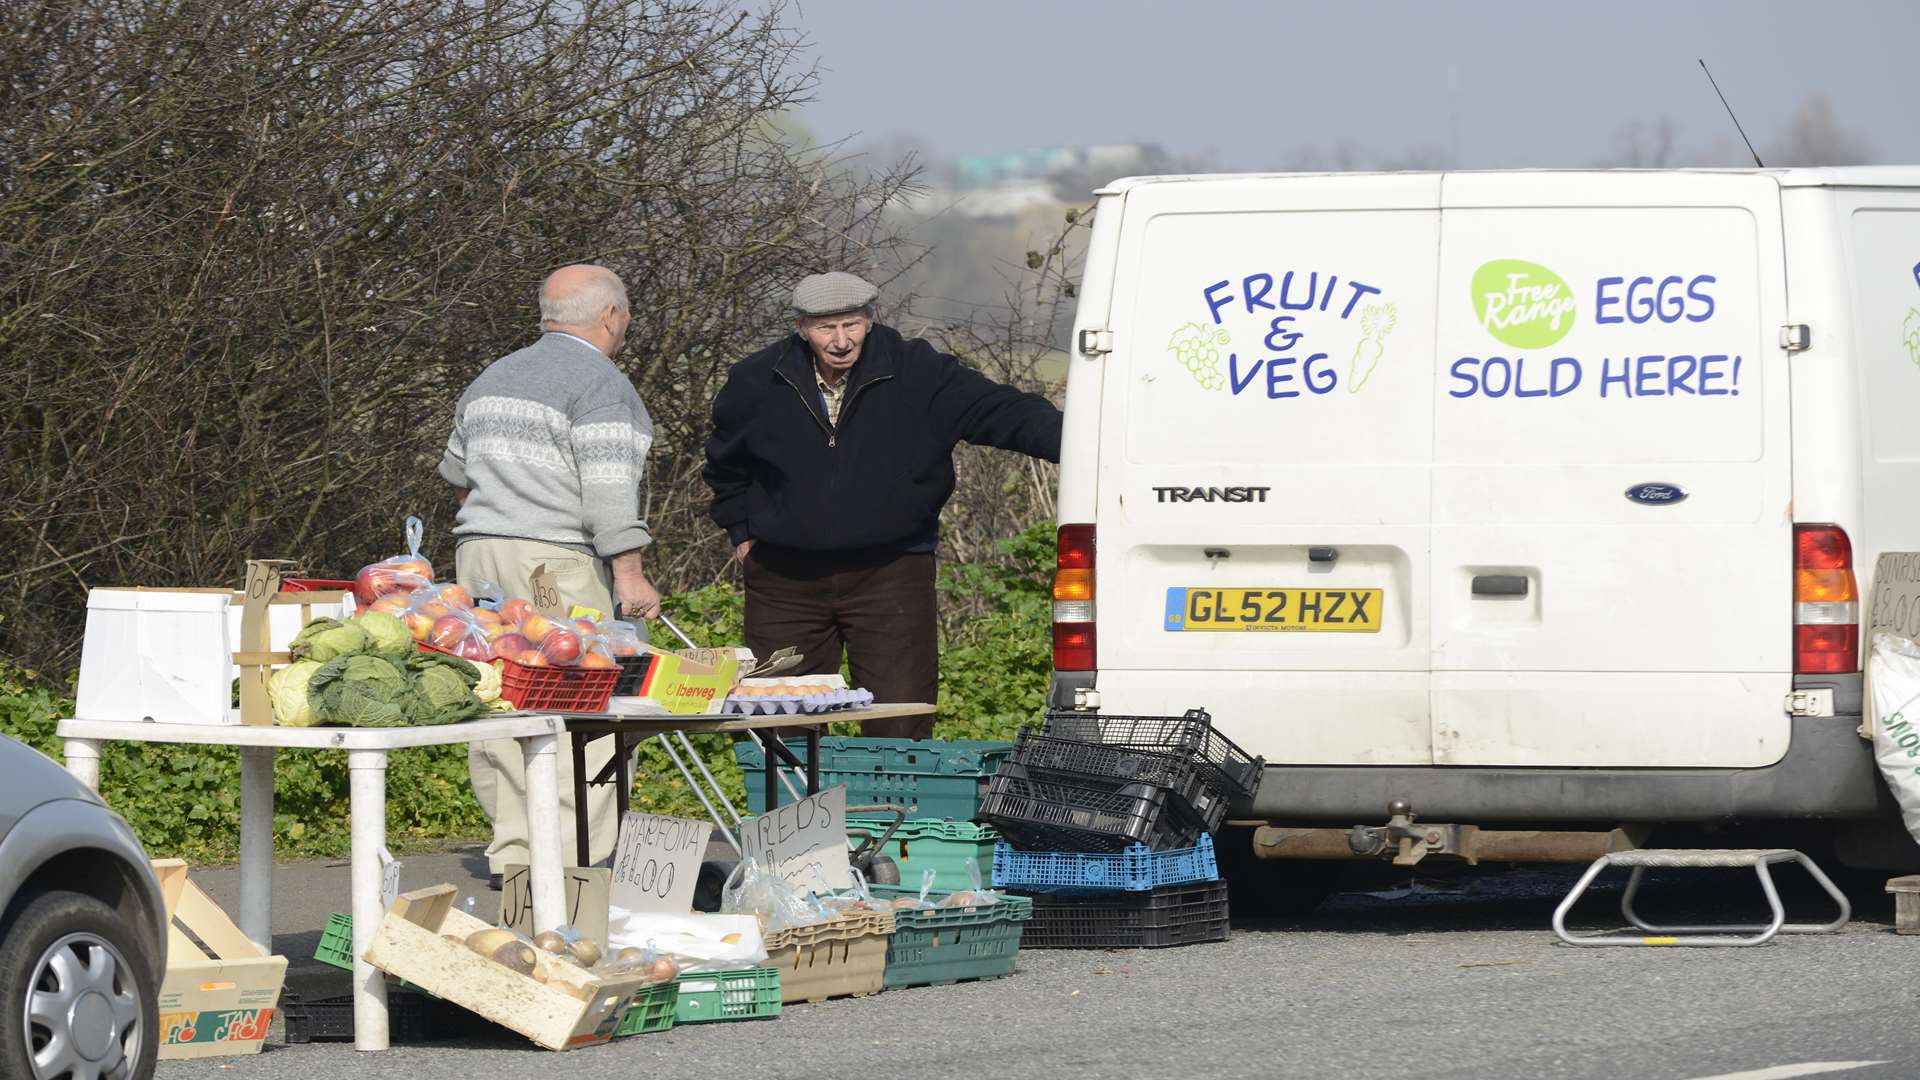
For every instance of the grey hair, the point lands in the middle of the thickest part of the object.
(584, 303)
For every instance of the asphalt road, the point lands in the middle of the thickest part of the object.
(1453, 978)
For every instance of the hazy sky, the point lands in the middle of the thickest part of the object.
(1507, 84)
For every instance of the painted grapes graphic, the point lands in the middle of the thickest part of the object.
(1199, 349)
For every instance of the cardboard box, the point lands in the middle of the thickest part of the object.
(690, 682)
(169, 655)
(573, 1008)
(217, 1000)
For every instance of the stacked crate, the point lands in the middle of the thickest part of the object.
(1107, 823)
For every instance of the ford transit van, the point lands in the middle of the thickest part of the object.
(1516, 500)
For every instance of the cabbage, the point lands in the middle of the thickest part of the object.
(327, 639)
(488, 688)
(288, 689)
(442, 689)
(386, 634)
(360, 691)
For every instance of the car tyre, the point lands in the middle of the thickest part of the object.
(77, 993)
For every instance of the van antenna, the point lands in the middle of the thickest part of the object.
(1736, 120)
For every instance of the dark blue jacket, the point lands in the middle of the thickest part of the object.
(782, 475)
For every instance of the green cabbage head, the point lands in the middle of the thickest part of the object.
(287, 688)
(328, 639)
(442, 689)
(386, 635)
(360, 691)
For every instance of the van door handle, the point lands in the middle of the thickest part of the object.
(1499, 585)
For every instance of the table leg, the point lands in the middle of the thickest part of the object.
(582, 841)
(543, 831)
(813, 758)
(367, 780)
(770, 740)
(256, 845)
(623, 771)
(83, 761)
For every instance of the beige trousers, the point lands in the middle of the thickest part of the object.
(496, 766)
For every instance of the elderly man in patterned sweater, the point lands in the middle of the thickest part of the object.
(548, 451)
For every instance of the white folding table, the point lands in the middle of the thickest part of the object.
(367, 750)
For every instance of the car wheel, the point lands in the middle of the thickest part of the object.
(77, 996)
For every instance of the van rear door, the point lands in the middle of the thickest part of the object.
(1612, 499)
(1265, 450)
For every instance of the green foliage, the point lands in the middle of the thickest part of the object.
(184, 800)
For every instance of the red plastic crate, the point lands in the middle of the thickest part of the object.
(559, 689)
(314, 584)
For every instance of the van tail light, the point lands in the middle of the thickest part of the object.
(1826, 602)
(1073, 599)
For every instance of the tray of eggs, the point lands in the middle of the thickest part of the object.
(797, 696)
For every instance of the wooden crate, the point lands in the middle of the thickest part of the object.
(846, 957)
(218, 999)
(573, 1008)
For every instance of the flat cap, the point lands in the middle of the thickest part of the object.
(830, 294)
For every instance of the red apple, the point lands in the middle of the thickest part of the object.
(585, 626)
(511, 645)
(597, 660)
(448, 631)
(516, 610)
(537, 626)
(417, 624)
(561, 647)
(473, 648)
(532, 658)
(456, 596)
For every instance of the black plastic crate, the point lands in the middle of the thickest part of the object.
(1161, 919)
(1232, 770)
(411, 1018)
(1037, 810)
(633, 673)
(1048, 756)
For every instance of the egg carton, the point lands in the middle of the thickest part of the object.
(832, 701)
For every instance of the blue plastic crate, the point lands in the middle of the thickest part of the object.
(1134, 870)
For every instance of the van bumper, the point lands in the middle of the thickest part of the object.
(1827, 772)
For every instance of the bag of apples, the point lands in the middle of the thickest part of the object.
(549, 664)
(397, 576)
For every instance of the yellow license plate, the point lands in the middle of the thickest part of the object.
(1348, 611)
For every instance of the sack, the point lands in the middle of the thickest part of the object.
(697, 941)
(1895, 675)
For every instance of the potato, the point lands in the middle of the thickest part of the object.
(631, 952)
(584, 952)
(664, 969)
(487, 942)
(550, 941)
(517, 955)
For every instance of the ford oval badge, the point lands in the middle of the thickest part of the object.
(1656, 494)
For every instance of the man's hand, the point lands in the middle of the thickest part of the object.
(740, 550)
(638, 597)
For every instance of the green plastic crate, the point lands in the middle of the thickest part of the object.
(947, 945)
(745, 994)
(944, 845)
(653, 1009)
(932, 778)
(336, 949)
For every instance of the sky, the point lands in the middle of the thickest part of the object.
(1499, 85)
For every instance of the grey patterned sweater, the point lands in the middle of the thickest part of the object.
(552, 442)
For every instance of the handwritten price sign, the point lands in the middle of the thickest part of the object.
(657, 862)
(807, 840)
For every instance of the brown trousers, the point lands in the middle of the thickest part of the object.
(879, 609)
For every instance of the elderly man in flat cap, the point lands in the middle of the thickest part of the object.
(831, 456)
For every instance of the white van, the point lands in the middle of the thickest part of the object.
(1519, 497)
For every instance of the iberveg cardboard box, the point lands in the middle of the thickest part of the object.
(691, 682)
(218, 999)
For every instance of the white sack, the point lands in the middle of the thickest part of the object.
(1895, 678)
(695, 940)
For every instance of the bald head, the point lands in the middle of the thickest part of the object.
(589, 302)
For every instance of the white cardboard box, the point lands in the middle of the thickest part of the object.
(167, 655)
